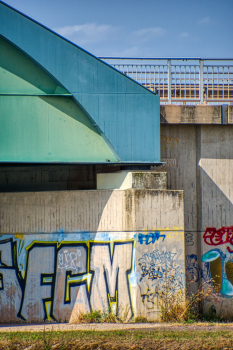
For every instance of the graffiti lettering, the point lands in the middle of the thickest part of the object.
(158, 270)
(62, 280)
(168, 142)
(69, 260)
(37, 298)
(150, 237)
(108, 273)
(189, 239)
(194, 272)
(10, 290)
(71, 291)
(148, 298)
(215, 237)
(155, 264)
(59, 277)
(220, 268)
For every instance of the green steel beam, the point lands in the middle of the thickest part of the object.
(34, 61)
(48, 129)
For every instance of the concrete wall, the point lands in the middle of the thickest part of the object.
(198, 153)
(67, 252)
(199, 160)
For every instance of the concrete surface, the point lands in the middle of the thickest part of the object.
(198, 114)
(95, 210)
(199, 160)
(132, 179)
(68, 252)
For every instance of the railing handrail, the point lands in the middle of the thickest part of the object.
(195, 80)
(166, 58)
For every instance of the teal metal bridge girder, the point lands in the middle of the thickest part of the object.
(123, 112)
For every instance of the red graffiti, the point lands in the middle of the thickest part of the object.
(223, 235)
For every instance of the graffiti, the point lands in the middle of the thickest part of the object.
(168, 142)
(148, 298)
(220, 264)
(170, 162)
(155, 264)
(220, 267)
(215, 237)
(71, 294)
(150, 237)
(63, 279)
(160, 273)
(107, 273)
(189, 239)
(57, 278)
(69, 260)
(194, 272)
(10, 291)
(38, 289)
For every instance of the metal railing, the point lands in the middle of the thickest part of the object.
(181, 80)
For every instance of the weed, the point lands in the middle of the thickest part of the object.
(97, 316)
(94, 316)
(140, 319)
(110, 317)
(181, 306)
(47, 340)
(189, 321)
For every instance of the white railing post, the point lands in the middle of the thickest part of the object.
(169, 81)
(201, 84)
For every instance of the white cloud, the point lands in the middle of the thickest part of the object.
(205, 20)
(147, 34)
(87, 33)
(105, 40)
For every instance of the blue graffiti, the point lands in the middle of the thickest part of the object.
(150, 237)
(156, 264)
(159, 270)
(194, 272)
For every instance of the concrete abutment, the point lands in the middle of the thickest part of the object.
(68, 252)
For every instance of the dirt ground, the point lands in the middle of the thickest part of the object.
(198, 326)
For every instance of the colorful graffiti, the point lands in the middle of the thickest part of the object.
(215, 237)
(219, 263)
(55, 280)
(220, 268)
(56, 276)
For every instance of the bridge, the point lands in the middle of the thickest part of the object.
(181, 80)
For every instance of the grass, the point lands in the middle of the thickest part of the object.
(97, 316)
(85, 340)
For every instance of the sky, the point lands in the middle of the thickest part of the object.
(139, 28)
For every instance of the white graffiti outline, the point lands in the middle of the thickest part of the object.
(69, 260)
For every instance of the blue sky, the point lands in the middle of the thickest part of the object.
(139, 28)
